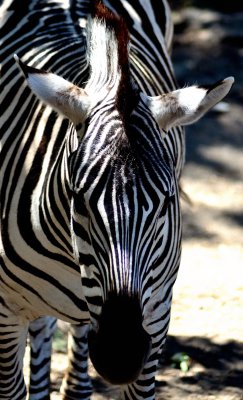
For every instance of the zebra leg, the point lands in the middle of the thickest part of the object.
(13, 334)
(77, 383)
(41, 333)
(144, 387)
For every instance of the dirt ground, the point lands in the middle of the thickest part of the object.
(207, 312)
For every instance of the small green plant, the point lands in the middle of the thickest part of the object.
(60, 341)
(181, 361)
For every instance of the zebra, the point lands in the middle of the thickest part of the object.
(90, 213)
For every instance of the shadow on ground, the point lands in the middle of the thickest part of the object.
(215, 368)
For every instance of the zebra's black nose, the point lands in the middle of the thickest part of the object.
(120, 347)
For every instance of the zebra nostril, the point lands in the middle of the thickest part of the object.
(121, 346)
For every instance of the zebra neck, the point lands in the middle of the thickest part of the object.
(53, 186)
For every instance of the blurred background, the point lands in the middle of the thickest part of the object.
(203, 358)
(206, 330)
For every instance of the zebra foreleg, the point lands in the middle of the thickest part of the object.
(13, 334)
(41, 333)
(144, 386)
(77, 383)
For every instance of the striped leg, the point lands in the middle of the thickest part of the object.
(12, 347)
(144, 387)
(77, 383)
(41, 332)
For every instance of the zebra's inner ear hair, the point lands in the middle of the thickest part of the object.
(63, 96)
(187, 105)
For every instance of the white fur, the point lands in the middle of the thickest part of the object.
(103, 59)
(187, 105)
(61, 95)
(47, 86)
(190, 98)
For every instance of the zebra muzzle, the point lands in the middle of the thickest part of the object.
(121, 346)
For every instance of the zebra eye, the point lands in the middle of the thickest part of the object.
(80, 206)
(71, 165)
(167, 201)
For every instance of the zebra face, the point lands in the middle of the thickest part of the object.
(123, 185)
(123, 180)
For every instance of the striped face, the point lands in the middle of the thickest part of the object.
(123, 234)
(123, 183)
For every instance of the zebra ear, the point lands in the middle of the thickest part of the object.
(63, 96)
(185, 106)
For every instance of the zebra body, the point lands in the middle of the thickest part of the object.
(90, 215)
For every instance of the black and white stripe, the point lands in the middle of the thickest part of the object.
(99, 196)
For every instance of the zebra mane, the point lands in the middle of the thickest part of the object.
(108, 40)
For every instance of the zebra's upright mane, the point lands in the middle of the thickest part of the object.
(108, 40)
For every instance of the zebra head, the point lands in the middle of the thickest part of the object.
(125, 215)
